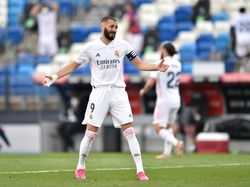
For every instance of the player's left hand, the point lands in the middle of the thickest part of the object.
(141, 92)
(162, 66)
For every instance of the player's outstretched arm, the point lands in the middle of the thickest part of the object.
(149, 84)
(69, 68)
(144, 66)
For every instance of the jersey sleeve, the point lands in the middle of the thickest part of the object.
(167, 60)
(130, 53)
(83, 57)
(153, 74)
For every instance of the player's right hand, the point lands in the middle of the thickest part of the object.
(49, 79)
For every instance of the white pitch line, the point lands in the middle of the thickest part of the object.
(118, 169)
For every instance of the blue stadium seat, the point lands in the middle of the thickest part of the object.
(21, 84)
(82, 70)
(167, 19)
(185, 26)
(2, 37)
(2, 69)
(44, 92)
(78, 33)
(93, 28)
(15, 11)
(186, 67)
(86, 69)
(2, 83)
(21, 79)
(222, 42)
(167, 31)
(183, 13)
(138, 3)
(230, 60)
(66, 8)
(187, 52)
(205, 45)
(130, 68)
(11, 69)
(43, 59)
(167, 28)
(25, 69)
(26, 59)
(15, 34)
(78, 71)
(221, 16)
(82, 3)
(17, 3)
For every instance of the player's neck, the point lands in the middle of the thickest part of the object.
(105, 40)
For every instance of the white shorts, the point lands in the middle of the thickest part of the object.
(104, 99)
(47, 47)
(242, 50)
(165, 113)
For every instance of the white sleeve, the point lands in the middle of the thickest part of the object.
(83, 57)
(153, 74)
(167, 60)
(129, 48)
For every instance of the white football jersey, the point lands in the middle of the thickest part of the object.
(167, 83)
(106, 61)
(47, 21)
(242, 29)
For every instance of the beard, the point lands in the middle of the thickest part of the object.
(108, 35)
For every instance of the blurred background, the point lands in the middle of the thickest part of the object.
(39, 37)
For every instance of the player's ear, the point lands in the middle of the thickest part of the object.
(102, 26)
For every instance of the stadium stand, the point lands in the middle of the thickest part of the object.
(199, 44)
(195, 42)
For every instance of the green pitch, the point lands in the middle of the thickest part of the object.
(117, 169)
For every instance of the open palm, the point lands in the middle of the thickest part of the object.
(162, 67)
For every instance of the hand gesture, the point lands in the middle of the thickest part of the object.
(49, 79)
(162, 67)
(141, 92)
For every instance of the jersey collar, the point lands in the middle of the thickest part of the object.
(102, 43)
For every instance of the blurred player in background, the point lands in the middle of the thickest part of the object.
(241, 34)
(106, 58)
(133, 35)
(74, 105)
(168, 100)
(46, 14)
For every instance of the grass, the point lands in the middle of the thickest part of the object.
(117, 169)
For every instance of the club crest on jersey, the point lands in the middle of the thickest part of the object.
(117, 53)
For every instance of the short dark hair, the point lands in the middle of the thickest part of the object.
(242, 10)
(169, 47)
(106, 18)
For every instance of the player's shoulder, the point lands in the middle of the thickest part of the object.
(92, 45)
(173, 61)
(120, 42)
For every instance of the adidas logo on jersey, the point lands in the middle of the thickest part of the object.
(97, 55)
